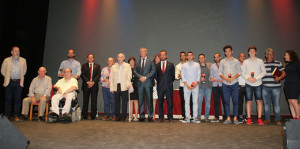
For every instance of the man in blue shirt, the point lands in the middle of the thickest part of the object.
(70, 63)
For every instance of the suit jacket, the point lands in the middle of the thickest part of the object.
(6, 68)
(149, 72)
(85, 74)
(165, 80)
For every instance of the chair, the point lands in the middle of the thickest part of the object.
(38, 103)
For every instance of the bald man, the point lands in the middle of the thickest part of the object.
(39, 90)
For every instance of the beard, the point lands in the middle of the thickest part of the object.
(71, 57)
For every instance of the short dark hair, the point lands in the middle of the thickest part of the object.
(182, 52)
(201, 54)
(293, 55)
(163, 51)
(226, 47)
(190, 52)
(89, 55)
(131, 58)
(72, 50)
(217, 53)
(252, 47)
(14, 47)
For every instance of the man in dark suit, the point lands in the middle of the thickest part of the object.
(145, 70)
(90, 77)
(165, 76)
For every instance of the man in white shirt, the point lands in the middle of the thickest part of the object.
(66, 88)
(253, 71)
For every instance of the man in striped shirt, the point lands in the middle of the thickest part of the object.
(271, 89)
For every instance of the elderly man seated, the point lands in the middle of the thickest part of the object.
(39, 90)
(66, 88)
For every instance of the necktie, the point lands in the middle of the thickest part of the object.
(143, 66)
(163, 69)
(91, 71)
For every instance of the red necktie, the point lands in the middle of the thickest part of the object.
(91, 71)
(163, 70)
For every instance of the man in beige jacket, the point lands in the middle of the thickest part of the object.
(120, 82)
(13, 69)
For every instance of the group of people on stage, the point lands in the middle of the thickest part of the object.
(152, 79)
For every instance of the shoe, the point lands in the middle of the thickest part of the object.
(123, 119)
(23, 117)
(150, 120)
(17, 119)
(278, 123)
(196, 120)
(260, 122)
(182, 119)
(66, 114)
(215, 120)
(227, 122)
(249, 121)
(236, 122)
(240, 120)
(267, 122)
(105, 118)
(153, 118)
(40, 119)
(113, 118)
(161, 120)
(186, 120)
(142, 120)
(206, 119)
(170, 120)
(117, 119)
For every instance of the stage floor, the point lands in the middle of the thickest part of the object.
(111, 134)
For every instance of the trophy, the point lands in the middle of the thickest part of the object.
(229, 75)
(193, 84)
(203, 76)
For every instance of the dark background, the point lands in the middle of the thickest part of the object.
(45, 30)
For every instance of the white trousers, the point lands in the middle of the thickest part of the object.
(55, 101)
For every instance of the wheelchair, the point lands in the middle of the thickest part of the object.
(73, 116)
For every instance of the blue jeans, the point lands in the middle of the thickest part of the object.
(13, 91)
(109, 102)
(206, 93)
(253, 89)
(271, 93)
(232, 90)
(187, 98)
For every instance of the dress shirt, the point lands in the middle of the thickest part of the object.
(190, 72)
(257, 66)
(145, 59)
(15, 69)
(65, 85)
(73, 65)
(214, 73)
(178, 71)
(163, 63)
(40, 86)
(232, 66)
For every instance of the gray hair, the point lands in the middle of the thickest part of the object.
(269, 50)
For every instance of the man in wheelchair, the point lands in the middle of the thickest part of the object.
(66, 89)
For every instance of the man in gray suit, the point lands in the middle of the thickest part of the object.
(145, 70)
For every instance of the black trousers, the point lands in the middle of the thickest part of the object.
(118, 95)
(242, 98)
(181, 94)
(93, 91)
(169, 98)
(217, 93)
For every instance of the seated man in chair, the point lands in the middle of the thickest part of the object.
(66, 88)
(39, 90)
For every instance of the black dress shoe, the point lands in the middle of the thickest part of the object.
(170, 120)
(150, 120)
(117, 119)
(66, 114)
(123, 119)
(23, 117)
(40, 119)
(161, 120)
(142, 120)
(53, 115)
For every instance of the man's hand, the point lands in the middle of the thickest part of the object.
(143, 79)
(227, 79)
(179, 75)
(61, 75)
(252, 79)
(59, 91)
(277, 79)
(212, 80)
(43, 98)
(33, 100)
(189, 87)
(90, 84)
(64, 95)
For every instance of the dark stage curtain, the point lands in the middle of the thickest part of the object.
(23, 24)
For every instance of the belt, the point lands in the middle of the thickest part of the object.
(16, 80)
(242, 85)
